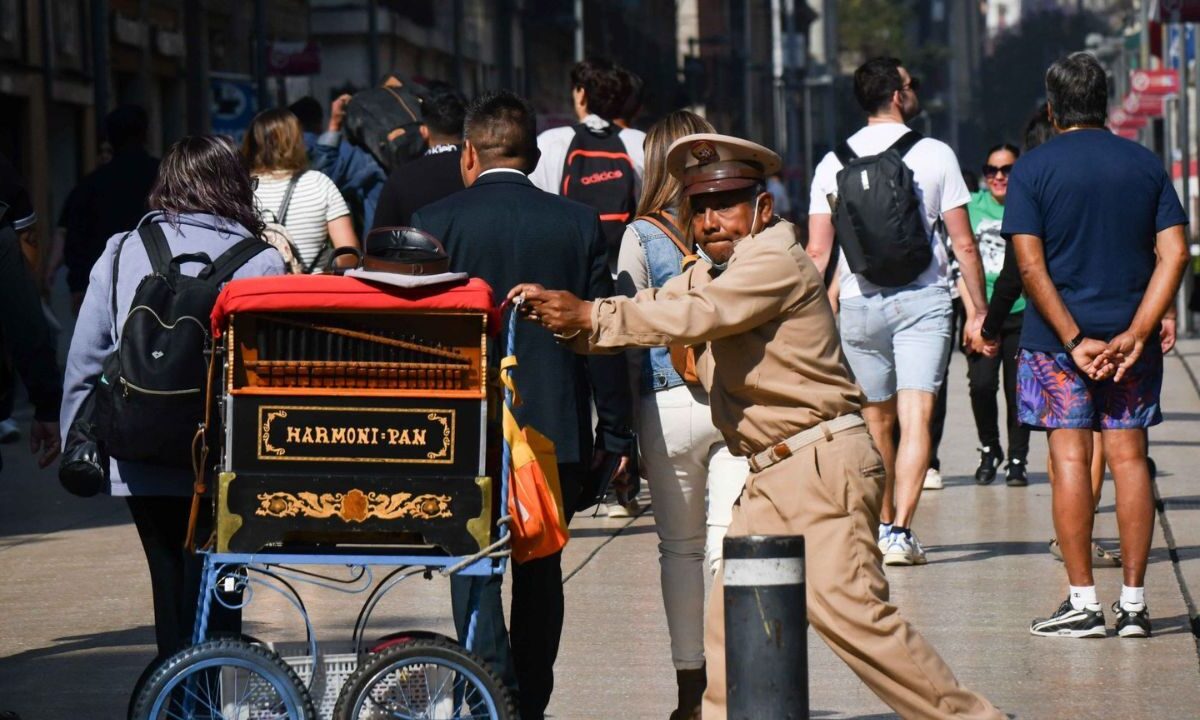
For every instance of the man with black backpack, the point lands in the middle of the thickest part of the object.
(596, 161)
(883, 194)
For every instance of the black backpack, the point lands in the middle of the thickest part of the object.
(151, 392)
(386, 122)
(598, 172)
(877, 216)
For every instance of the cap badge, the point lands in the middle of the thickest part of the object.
(704, 151)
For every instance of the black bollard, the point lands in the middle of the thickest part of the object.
(766, 628)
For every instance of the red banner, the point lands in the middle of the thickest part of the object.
(1118, 118)
(1127, 133)
(1143, 105)
(1154, 82)
(1164, 10)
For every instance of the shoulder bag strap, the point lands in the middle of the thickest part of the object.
(281, 216)
(664, 223)
(116, 266)
(157, 247)
(906, 142)
(844, 153)
(228, 263)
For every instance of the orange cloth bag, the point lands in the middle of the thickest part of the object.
(535, 502)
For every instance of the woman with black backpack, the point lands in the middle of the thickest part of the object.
(203, 208)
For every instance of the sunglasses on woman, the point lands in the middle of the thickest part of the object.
(993, 170)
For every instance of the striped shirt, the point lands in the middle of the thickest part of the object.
(315, 203)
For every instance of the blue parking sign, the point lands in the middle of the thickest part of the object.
(234, 103)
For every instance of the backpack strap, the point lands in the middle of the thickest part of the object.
(281, 216)
(664, 223)
(844, 153)
(157, 247)
(228, 263)
(906, 142)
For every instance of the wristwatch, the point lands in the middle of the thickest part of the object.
(1073, 343)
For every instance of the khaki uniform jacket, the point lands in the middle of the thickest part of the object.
(774, 365)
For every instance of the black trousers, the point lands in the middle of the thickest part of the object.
(524, 655)
(174, 572)
(983, 376)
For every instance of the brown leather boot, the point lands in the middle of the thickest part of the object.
(691, 690)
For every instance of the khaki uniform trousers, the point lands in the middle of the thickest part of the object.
(830, 493)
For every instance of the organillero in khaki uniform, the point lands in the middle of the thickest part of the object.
(773, 367)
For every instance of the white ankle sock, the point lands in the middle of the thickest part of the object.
(1083, 595)
(1133, 595)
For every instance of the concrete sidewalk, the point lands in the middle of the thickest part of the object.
(76, 622)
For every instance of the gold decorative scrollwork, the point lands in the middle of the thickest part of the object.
(266, 432)
(446, 440)
(354, 506)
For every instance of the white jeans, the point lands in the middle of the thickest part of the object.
(683, 455)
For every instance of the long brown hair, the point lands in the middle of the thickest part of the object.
(274, 142)
(204, 174)
(660, 190)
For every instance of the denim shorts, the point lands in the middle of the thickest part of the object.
(1053, 393)
(897, 339)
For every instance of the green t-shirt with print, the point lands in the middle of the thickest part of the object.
(986, 218)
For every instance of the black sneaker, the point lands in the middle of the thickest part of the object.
(989, 463)
(1131, 621)
(1087, 622)
(1017, 476)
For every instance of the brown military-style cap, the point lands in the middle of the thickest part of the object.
(707, 162)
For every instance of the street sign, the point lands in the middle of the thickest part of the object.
(1189, 44)
(1143, 105)
(233, 103)
(1120, 119)
(1154, 82)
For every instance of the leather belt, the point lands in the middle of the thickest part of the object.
(786, 448)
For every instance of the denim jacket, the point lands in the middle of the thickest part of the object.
(663, 262)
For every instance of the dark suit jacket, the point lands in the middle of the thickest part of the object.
(416, 184)
(506, 231)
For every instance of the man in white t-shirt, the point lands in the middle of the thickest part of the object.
(597, 97)
(597, 161)
(896, 338)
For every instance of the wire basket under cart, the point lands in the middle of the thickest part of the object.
(352, 436)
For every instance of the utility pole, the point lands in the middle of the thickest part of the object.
(260, 55)
(578, 31)
(373, 43)
(100, 62)
(194, 29)
(831, 55)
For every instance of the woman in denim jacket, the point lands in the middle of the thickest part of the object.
(694, 479)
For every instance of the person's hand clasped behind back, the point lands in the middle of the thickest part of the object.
(1094, 359)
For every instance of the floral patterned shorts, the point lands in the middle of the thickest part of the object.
(1053, 393)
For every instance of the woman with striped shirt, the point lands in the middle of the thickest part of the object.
(315, 213)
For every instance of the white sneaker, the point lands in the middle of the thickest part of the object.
(10, 432)
(885, 529)
(617, 510)
(933, 480)
(904, 550)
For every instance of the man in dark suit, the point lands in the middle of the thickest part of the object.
(435, 174)
(503, 229)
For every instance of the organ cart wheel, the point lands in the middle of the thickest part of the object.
(424, 679)
(224, 680)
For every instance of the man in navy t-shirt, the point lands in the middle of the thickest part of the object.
(1099, 236)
